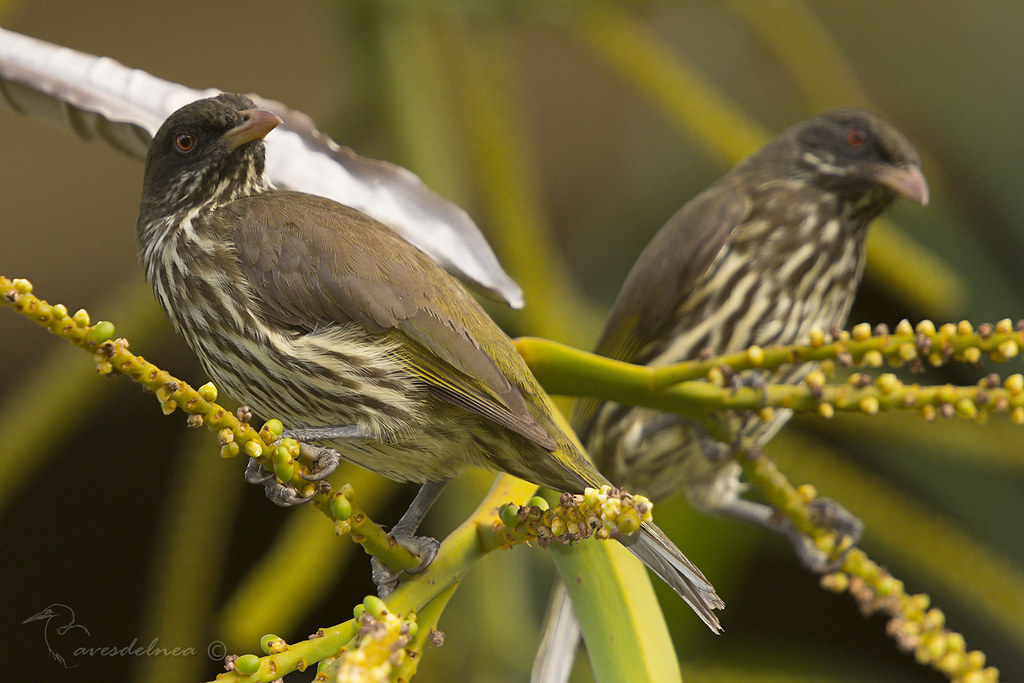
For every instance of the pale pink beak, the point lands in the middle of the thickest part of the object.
(907, 181)
(255, 125)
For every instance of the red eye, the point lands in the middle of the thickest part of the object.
(855, 137)
(185, 142)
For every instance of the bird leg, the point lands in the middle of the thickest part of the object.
(824, 512)
(754, 380)
(284, 495)
(404, 531)
(326, 433)
(254, 474)
(324, 459)
(720, 495)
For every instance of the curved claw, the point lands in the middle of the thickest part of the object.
(382, 577)
(285, 495)
(423, 547)
(324, 461)
(824, 512)
(828, 513)
(815, 560)
(427, 552)
(831, 515)
(280, 494)
(755, 380)
(327, 460)
(255, 474)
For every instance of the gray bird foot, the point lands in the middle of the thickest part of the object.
(325, 459)
(254, 474)
(404, 532)
(829, 514)
(824, 512)
(423, 547)
(284, 495)
(754, 380)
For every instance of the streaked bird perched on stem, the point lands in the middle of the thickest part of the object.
(312, 312)
(771, 251)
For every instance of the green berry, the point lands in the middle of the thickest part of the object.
(289, 446)
(628, 521)
(285, 472)
(341, 507)
(375, 606)
(101, 332)
(267, 641)
(283, 456)
(247, 665)
(274, 427)
(208, 391)
(507, 514)
(252, 448)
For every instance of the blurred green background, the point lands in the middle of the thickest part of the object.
(570, 131)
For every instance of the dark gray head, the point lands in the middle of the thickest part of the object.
(209, 150)
(851, 152)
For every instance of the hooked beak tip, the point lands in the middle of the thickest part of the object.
(906, 181)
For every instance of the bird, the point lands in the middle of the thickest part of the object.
(66, 619)
(311, 312)
(769, 252)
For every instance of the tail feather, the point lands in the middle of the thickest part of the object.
(560, 640)
(653, 548)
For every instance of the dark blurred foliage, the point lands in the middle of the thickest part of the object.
(101, 515)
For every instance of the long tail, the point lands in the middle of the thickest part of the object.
(560, 639)
(652, 547)
(554, 660)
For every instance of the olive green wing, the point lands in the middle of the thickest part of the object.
(313, 262)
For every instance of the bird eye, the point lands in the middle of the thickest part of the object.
(185, 142)
(856, 137)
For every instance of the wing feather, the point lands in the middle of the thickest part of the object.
(313, 262)
(681, 254)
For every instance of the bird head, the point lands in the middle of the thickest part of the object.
(855, 154)
(208, 151)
